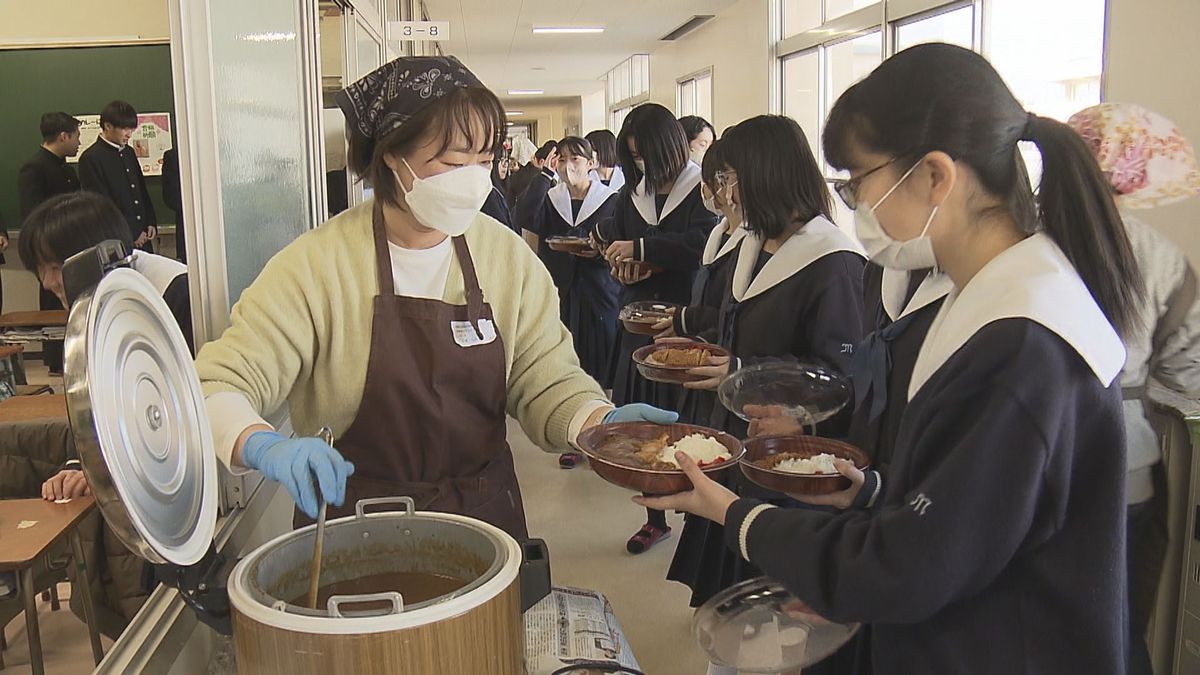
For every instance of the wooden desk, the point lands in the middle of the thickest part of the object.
(21, 548)
(40, 319)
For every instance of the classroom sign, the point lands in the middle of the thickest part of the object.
(150, 140)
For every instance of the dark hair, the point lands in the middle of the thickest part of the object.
(694, 125)
(779, 182)
(544, 151)
(119, 114)
(69, 223)
(605, 144)
(55, 123)
(461, 110)
(938, 97)
(714, 161)
(660, 141)
(576, 146)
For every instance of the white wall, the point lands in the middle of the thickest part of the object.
(736, 45)
(1151, 59)
(22, 21)
(592, 112)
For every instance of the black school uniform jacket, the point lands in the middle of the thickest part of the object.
(546, 209)
(999, 545)
(117, 174)
(42, 177)
(805, 304)
(671, 241)
(702, 316)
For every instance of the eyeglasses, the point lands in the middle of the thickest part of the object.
(848, 189)
(725, 178)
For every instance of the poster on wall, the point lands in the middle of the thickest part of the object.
(150, 139)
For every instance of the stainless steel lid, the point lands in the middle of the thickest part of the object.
(139, 420)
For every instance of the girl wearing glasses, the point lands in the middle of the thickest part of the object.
(794, 292)
(998, 542)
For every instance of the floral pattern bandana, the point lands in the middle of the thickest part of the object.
(389, 96)
(1146, 159)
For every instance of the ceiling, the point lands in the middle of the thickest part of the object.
(495, 38)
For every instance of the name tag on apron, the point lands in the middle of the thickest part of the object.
(465, 335)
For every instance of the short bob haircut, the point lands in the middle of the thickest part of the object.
(660, 141)
(578, 147)
(694, 125)
(68, 224)
(119, 114)
(467, 111)
(779, 182)
(55, 123)
(714, 161)
(605, 144)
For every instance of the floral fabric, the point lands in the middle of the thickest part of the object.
(1147, 160)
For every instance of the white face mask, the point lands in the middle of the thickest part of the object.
(697, 156)
(882, 249)
(447, 202)
(640, 164)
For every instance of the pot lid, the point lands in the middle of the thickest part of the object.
(139, 420)
(804, 391)
(757, 626)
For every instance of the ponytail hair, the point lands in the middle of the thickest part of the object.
(1076, 208)
(939, 97)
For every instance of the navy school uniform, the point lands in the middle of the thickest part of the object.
(668, 233)
(699, 319)
(899, 308)
(587, 291)
(997, 545)
(616, 181)
(802, 303)
(496, 206)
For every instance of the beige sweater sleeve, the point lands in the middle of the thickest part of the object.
(269, 344)
(546, 385)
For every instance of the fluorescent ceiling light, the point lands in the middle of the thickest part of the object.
(526, 92)
(514, 113)
(568, 29)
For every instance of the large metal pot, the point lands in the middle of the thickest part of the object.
(476, 629)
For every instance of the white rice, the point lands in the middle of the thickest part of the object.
(822, 463)
(703, 449)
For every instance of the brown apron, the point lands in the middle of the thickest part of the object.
(431, 423)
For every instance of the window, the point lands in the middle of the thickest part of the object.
(848, 62)
(800, 16)
(695, 96)
(956, 27)
(836, 8)
(1053, 65)
(627, 85)
(802, 94)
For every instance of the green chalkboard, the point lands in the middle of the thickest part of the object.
(79, 81)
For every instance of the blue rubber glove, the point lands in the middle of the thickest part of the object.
(640, 412)
(293, 461)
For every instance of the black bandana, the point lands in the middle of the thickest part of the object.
(388, 97)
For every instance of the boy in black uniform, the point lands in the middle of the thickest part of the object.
(46, 175)
(111, 168)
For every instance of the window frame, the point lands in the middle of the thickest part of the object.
(694, 80)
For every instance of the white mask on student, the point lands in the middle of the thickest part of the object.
(450, 201)
(882, 249)
(640, 164)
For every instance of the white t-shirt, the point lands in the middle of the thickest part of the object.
(421, 273)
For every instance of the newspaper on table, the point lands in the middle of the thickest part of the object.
(574, 627)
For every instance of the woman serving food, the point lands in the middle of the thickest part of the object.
(411, 325)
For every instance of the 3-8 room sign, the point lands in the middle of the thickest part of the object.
(435, 31)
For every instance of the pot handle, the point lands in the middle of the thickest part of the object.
(336, 601)
(534, 572)
(360, 509)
